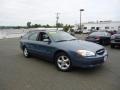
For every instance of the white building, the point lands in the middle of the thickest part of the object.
(102, 25)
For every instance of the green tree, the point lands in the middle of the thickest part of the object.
(67, 27)
(28, 24)
(36, 25)
(59, 25)
(47, 26)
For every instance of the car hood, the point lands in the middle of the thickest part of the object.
(79, 45)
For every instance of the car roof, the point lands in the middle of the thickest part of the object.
(45, 31)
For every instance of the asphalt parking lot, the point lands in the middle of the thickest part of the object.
(20, 73)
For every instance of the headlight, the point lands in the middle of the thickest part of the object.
(85, 53)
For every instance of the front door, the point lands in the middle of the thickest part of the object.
(44, 46)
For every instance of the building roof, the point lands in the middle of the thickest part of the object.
(102, 22)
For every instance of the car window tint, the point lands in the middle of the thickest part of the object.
(33, 36)
(43, 36)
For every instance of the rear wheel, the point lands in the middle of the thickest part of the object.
(26, 53)
(63, 62)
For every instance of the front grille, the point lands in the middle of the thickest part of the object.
(100, 52)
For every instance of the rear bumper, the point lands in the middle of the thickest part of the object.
(102, 42)
(95, 41)
(115, 43)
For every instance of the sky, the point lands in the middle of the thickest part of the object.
(19, 12)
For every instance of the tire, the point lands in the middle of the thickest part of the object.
(112, 46)
(26, 53)
(63, 62)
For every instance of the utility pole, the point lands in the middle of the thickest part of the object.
(80, 18)
(57, 18)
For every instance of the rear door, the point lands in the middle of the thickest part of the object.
(32, 42)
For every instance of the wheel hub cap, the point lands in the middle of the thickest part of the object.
(63, 62)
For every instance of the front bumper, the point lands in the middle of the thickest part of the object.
(89, 61)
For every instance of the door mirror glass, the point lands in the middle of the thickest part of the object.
(46, 40)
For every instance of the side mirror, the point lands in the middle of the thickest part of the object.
(47, 40)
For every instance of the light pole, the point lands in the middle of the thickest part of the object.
(80, 17)
(57, 18)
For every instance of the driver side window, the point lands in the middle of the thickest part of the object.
(43, 37)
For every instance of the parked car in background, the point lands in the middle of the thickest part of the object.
(102, 38)
(63, 49)
(86, 31)
(115, 40)
(112, 32)
(77, 31)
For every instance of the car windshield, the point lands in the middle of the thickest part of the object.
(60, 36)
(99, 34)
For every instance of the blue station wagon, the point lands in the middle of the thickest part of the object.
(63, 49)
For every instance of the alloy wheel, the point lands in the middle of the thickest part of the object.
(63, 62)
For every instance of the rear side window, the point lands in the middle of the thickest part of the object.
(33, 36)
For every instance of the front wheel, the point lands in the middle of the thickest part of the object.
(63, 62)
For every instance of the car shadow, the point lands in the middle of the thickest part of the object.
(117, 47)
(75, 70)
(88, 70)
